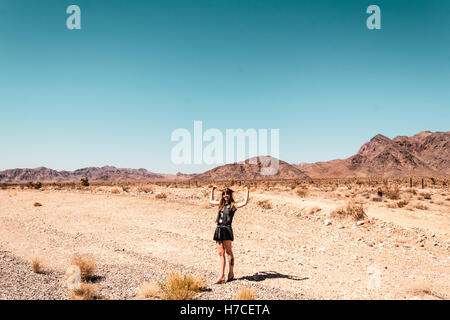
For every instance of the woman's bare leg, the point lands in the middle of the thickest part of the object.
(221, 252)
(229, 251)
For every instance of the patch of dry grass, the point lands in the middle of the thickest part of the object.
(87, 291)
(86, 264)
(265, 204)
(36, 265)
(426, 195)
(353, 210)
(177, 287)
(393, 193)
(301, 192)
(421, 207)
(148, 290)
(246, 294)
(402, 203)
(115, 191)
(37, 204)
(161, 195)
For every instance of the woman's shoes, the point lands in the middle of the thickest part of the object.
(230, 278)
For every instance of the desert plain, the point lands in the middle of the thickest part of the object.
(311, 239)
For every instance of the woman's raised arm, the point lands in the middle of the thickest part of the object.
(243, 203)
(211, 200)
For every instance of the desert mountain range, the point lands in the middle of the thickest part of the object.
(424, 154)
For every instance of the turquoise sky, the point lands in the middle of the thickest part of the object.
(113, 92)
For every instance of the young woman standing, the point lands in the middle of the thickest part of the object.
(224, 232)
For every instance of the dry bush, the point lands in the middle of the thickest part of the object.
(393, 193)
(246, 294)
(148, 290)
(36, 265)
(86, 264)
(392, 205)
(161, 195)
(376, 199)
(177, 287)
(37, 204)
(265, 204)
(145, 189)
(115, 191)
(87, 291)
(301, 192)
(426, 195)
(353, 210)
(402, 203)
(314, 210)
(421, 207)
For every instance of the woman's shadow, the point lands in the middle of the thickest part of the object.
(263, 275)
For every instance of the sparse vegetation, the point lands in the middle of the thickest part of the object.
(421, 207)
(35, 185)
(353, 210)
(301, 192)
(246, 294)
(85, 182)
(86, 264)
(36, 265)
(402, 203)
(161, 195)
(265, 204)
(149, 290)
(393, 193)
(426, 195)
(87, 291)
(115, 191)
(37, 204)
(177, 287)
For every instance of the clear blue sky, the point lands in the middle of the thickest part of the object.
(113, 92)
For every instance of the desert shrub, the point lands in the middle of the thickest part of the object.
(301, 192)
(353, 210)
(85, 182)
(314, 210)
(402, 203)
(161, 195)
(87, 291)
(36, 265)
(376, 199)
(37, 204)
(115, 191)
(177, 287)
(145, 189)
(393, 193)
(246, 294)
(148, 290)
(35, 185)
(392, 205)
(265, 204)
(426, 195)
(421, 207)
(86, 264)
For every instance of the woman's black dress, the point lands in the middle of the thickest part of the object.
(224, 218)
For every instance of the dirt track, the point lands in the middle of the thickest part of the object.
(284, 253)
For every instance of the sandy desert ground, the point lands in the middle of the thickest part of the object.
(288, 247)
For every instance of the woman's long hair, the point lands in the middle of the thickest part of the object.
(222, 201)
